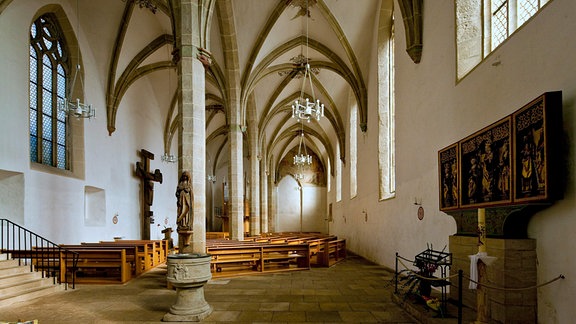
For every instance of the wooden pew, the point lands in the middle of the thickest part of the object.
(331, 252)
(91, 266)
(159, 249)
(239, 258)
(133, 256)
(281, 257)
(102, 266)
(217, 235)
(244, 257)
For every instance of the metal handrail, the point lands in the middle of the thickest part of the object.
(38, 252)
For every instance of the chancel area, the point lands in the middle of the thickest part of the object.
(188, 145)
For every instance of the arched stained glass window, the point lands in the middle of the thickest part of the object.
(48, 82)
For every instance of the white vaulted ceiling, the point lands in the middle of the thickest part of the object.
(132, 44)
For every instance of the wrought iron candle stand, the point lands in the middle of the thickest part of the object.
(429, 261)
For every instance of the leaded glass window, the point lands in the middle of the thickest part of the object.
(509, 15)
(526, 9)
(499, 22)
(482, 25)
(48, 82)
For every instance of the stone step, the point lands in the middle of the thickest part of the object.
(8, 264)
(13, 269)
(30, 294)
(18, 283)
(25, 280)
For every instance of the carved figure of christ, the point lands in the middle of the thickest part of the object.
(148, 178)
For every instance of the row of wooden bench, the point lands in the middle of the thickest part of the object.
(120, 260)
(325, 250)
(99, 262)
(274, 253)
(249, 258)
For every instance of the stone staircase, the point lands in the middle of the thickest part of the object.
(18, 284)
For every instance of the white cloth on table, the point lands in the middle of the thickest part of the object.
(473, 270)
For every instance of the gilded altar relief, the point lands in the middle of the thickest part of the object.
(532, 139)
(486, 167)
(448, 177)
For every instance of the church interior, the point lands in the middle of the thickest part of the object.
(397, 126)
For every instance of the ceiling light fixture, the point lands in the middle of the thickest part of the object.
(306, 108)
(169, 158)
(211, 178)
(75, 107)
(302, 158)
(148, 4)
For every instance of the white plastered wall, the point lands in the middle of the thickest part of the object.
(434, 111)
(53, 205)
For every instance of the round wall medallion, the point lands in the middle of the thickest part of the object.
(420, 213)
(115, 219)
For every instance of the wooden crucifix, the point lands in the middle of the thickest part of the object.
(148, 179)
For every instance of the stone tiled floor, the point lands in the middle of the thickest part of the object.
(353, 291)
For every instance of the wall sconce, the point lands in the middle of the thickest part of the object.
(211, 178)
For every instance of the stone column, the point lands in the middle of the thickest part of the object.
(236, 183)
(189, 270)
(272, 199)
(255, 158)
(264, 174)
(192, 122)
(231, 70)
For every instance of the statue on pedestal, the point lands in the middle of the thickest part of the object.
(185, 198)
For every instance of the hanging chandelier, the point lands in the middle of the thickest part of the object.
(169, 158)
(146, 4)
(75, 107)
(299, 176)
(306, 108)
(302, 158)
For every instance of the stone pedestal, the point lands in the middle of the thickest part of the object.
(514, 267)
(188, 273)
(184, 237)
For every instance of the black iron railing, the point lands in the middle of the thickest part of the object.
(41, 254)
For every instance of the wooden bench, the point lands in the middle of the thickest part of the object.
(331, 252)
(89, 265)
(246, 257)
(279, 257)
(217, 235)
(144, 253)
(102, 266)
(242, 257)
(132, 253)
(150, 253)
(159, 249)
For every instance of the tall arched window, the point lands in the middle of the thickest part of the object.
(338, 179)
(386, 116)
(48, 84)
(353, 150)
